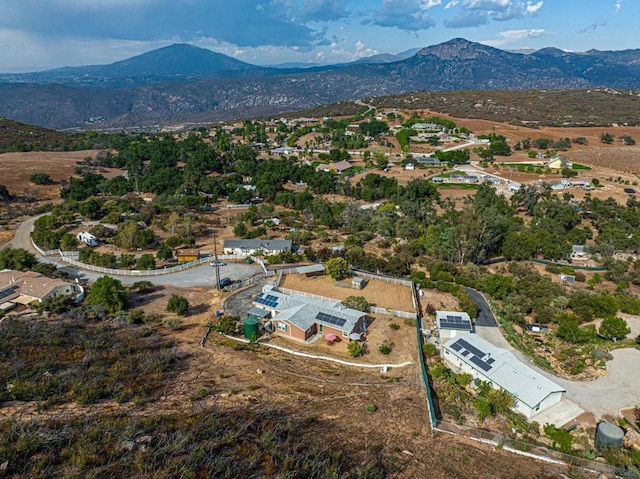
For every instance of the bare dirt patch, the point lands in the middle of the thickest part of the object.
(378, 293)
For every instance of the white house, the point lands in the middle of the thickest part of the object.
(87, 238)
(533, 393)
(251, 247)
(453, 323)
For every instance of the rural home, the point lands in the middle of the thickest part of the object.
(558, 162)
(453, 323)
(251, 247)
(17, 287)
(533, 393)
(301, 317)
(87, 238)
(579, 251)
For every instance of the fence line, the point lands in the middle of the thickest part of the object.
(386, 279)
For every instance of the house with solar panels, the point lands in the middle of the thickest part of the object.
(453, 323)
(301, 317)
(533, 393)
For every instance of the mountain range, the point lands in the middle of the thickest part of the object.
(183, 83)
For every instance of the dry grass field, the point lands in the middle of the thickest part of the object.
(378, 293)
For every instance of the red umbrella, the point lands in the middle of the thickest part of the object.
(330, 337)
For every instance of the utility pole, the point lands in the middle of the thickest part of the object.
(215, 261)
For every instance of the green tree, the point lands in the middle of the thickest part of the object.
(606, 138)
(614, 328)
(358, 303)
(68, 242)
(164, 252)
(17, 259)
(146, 261)
(177, 304)
(337, 268)
(108, 293)
(40, 179)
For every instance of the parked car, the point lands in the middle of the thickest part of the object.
(218, 263)
(224, 282)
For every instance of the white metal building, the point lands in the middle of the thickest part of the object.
(532, 391)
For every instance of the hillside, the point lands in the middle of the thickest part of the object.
(245, 91)
(13, 133)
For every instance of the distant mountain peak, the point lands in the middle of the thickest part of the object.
(550, 52)
(457, 48)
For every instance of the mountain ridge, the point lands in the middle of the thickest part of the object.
(170, 93)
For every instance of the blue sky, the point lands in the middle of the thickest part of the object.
(42, 34)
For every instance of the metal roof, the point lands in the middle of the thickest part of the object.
(503, 368)
(313, 268)
(267, 245)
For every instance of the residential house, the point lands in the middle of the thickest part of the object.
(256, 246)
(579, 251)
(300, 317)
(340, 166)
(17, 287)
(558, 162)
(428, 161)
(532, 392)
(283, 150)
(409, 166)
(453, 323)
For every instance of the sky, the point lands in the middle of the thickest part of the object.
(43, 34)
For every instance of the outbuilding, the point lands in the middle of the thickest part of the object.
(532, 392)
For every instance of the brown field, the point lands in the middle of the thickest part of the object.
(378, 293)
(15, 168)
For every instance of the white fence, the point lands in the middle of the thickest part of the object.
(386, 279)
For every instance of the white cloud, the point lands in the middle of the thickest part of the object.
(511, 36)
(533, 8)
(618, 5)
(472, 13)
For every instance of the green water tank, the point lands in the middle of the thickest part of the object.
(251, 326)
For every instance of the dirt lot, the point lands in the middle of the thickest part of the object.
(378, 293)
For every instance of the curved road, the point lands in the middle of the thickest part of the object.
(485, 315)
(202, 275)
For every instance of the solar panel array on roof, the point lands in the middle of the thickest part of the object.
(267, 299)
(477, 356)
(9, 291)
(327, 318)
(455, 322)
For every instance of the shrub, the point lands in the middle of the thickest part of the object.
(172, 323)
(429, 350)
(386, 347)
(394, 326)
(358, 303)
(226, 324)
(371, 408)
(355, 349)
(177, 304)
(410, 322)
(41, 179)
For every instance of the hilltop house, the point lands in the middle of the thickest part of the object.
(533, 393)
(258, 246)
(300, 317)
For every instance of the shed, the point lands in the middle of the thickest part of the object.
(188, 254)
(357, 283)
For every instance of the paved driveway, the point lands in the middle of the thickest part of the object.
(239, 303)
(485, 316)
(606, 395)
